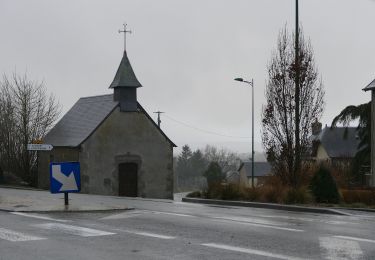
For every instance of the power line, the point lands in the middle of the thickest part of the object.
(205, 131)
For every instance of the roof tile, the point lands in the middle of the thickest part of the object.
(260, 168)
(340, 142)
(80, 121)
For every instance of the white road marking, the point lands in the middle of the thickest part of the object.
(14, 236)
(152, 235)
(126, 214)
(38, 216)
(74, 230)
(337, 222)
(250, 251)
(356, 239)
(173, 214)
(340, 249)
(252, 220)
(332, 222)
(137, 213)
(142, 233)
(286, 217)
(259, 225)
(189, 204)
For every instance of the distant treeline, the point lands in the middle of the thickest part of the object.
(190, 166)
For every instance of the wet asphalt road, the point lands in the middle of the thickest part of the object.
(175, 230)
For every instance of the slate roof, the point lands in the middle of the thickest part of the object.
(125, 76)
(370, 86)
(260, 168)
(82, 120)
(339, 142)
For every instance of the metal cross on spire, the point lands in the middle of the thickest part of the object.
(124, 31)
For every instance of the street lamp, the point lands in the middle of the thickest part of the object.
(251, 83)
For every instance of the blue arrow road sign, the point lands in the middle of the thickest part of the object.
(65, 177)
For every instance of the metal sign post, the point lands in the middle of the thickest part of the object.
(66, 198)
(65, 178)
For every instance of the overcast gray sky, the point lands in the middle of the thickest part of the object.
(186, 54)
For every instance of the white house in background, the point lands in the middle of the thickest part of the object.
(261, 171)
(232, 177)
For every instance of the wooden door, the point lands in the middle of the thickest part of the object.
(128, 179)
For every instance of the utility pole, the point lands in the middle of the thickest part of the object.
(159, 121)
(252, 133)
(297, 150)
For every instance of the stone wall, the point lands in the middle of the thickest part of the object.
(58, 154)
(127, 137)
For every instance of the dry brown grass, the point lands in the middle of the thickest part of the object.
(272, 190)
(366, 197)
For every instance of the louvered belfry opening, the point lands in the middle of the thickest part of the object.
(125, 86)
(127, 98)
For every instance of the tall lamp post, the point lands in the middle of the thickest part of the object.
(251, 83)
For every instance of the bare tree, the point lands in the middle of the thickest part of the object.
(7, 130)
(279, 114)
(30, 113)
(227, 160)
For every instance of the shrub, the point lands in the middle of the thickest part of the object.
(272, 190)
(214, 191)
(194, 194)
(342, 174)
(230, 192)
(12, 179)
(324, 187)
(249, 194)
(308, 170)
(366, 197)
(214, 175)
(1, 176)
(298, 196)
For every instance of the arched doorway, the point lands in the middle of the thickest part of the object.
(128, 179)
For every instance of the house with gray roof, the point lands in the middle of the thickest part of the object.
(120, 148)
(335, 144)
(261, 171)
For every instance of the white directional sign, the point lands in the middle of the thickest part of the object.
(39, 147)
(65, 177)
(67, 182)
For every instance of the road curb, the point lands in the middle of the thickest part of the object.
(266, 206)
(68, 211)
(14, 187)
(357, 209)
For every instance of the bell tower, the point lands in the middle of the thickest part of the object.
(125, 83)
(125, 86)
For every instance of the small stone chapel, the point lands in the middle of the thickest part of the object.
(120, 148)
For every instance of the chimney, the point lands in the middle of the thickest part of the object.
(316, 127)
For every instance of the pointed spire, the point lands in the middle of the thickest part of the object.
(125, 77)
